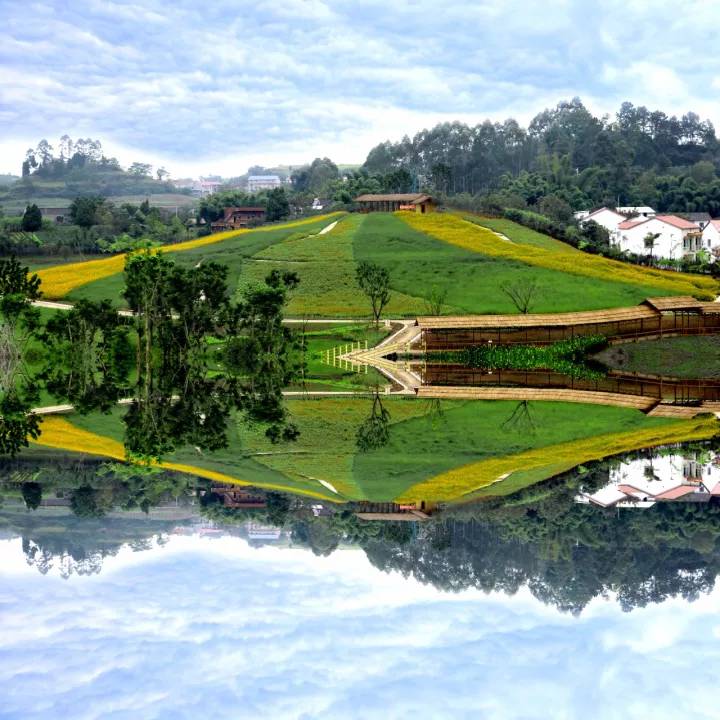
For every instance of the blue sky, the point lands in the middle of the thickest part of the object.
(219, 85)
(212, 628)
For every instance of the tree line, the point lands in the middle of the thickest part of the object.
(637, 157)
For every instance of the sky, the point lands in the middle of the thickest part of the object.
(213, 628)
(218, 86)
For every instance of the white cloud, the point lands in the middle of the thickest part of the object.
(214, 628)
(223, 85)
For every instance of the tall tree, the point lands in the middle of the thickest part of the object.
(374, 281)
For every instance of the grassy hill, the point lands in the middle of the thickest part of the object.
(468, 263)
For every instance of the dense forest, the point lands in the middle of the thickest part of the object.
(638, 157)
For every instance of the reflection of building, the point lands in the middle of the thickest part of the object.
(257, 531)
(669, 478)
(420, 510)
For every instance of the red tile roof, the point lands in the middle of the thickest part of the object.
(676, 492)
(677, 222)
(627, 224)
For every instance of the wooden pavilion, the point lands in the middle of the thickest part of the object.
(414, 202)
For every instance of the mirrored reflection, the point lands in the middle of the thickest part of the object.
(562, 538)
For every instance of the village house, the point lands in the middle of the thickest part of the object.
(673, 237)
(237, 218)
(605, 217)
(57, 215)
(640, 211)
(208, 185)
(711, 239)
(701, 219)
(391, 202)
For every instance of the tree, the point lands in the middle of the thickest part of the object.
(649, 242)
(162, 173)
(278, 206)
(522, 294)
(435, 300)
(17, 289)
(140, 169)
(83, 210)
(32, 218)
(374, 281)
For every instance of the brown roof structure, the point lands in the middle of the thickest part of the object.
(679, 302)
(537, 319)
(409, 198)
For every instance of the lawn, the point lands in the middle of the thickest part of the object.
(324, 373)
(683, 357)
(472, 278)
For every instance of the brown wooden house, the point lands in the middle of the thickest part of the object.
(413, 202)
(237, 218)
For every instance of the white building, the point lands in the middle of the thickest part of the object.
(711, 239)
(607, 218)
(676, 237)
(645, 481)
(263, 182)
(208, 185)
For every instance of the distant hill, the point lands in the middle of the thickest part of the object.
(80, 168)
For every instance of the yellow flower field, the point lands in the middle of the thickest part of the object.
(462, 233)
(59, 433)
(58, 281)
(455, 483)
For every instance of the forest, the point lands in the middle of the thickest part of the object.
(638, 157)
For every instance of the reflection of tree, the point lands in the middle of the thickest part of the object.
(374, 431)
(521, 420)
(88, 356)
(18, 322)
(178, 401)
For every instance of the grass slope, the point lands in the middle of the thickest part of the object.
(574, 263)
(437, 451)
